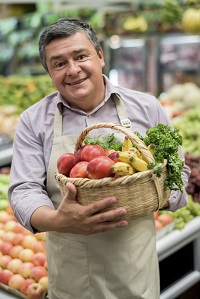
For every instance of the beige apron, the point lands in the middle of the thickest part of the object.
(119, 264)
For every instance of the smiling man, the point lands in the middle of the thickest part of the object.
(91, 254)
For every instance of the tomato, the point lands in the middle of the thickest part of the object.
(99, 167)
(91, 151)
(79, 170)
(66, 162)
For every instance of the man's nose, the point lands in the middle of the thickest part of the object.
(73, 68)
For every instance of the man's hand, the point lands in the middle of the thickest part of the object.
(74, 218)
(71, 217)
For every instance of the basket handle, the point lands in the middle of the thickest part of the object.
(134, 138)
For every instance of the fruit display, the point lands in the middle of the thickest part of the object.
(180, 98)
(19, 93)
(189, 127)
(23, 91)
(164, 224)
(180, 217)
(193, 187)
(23, 262)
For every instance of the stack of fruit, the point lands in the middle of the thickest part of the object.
(23, 263)
(93, 162)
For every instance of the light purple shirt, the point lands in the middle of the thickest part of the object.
(34, 136)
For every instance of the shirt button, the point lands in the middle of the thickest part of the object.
(89, 116)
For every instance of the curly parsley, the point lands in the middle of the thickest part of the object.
(167, 142)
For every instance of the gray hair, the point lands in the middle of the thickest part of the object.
(65, 27)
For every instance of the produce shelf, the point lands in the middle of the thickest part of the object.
(178, 239)
(179, 258)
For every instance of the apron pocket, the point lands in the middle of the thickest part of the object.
(69, 268)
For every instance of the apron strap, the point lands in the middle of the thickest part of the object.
(57, 123)
(123, 116)
(121, 110)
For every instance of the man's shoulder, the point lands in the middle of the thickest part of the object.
(127, 93)
(48, 102)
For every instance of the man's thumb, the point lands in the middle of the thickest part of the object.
(71, 192)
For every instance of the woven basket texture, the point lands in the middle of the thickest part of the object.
(141, 193)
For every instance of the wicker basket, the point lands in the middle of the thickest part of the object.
(141, 193)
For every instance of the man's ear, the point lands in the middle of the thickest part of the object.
(101, 56)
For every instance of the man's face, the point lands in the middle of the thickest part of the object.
(76, 70)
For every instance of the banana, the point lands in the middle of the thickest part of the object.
(136, 151)
(125, 156)
(152, 148)
(122, 169)
(138, 164)
(126, 144)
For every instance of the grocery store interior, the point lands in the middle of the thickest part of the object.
(151, 46)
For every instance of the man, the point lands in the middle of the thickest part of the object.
(91, 254)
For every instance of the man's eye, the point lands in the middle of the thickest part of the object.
(59, 65)
(81, 57)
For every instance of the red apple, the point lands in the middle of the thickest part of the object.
(15, 281)
(3, 216)
(66, 162)
(18, 239)
(44, 282)
(38, 272)
(18, 228)
(109, 151)
(4, 260)
(39, 246)
(9, 225)
(35, 291)
(5, 276)
(91, 151)
(14, 252)
(39, 259)
(28, 241)
(26, 255)
(25, 269)
(113, 157)
(99, 167)
(78, 153)
(25, 284)
(5, 247)
(14, 265)
(79, 170)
